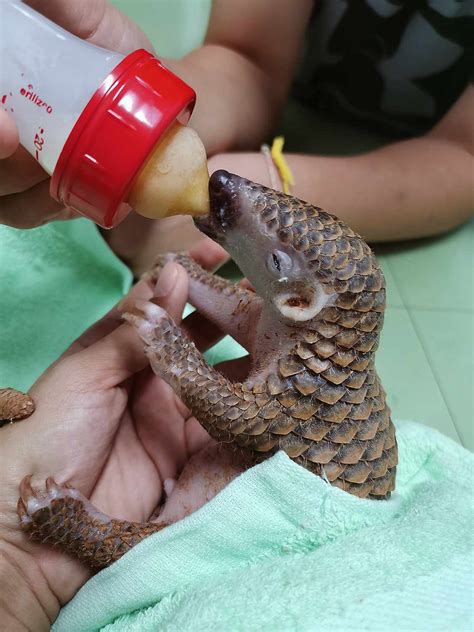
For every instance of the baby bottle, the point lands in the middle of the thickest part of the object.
(109, 129)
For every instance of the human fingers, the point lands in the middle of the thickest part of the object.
(96, 21)
(30, 208)
(106, 363)
(111, 354)
(8, 135)
(19, 172)
(111, 320)
(170, 293)
(25, 201)
(171, 290)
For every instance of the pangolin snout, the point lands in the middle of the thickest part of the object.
(224, 205)
(219, 180)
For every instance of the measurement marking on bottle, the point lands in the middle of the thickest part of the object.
(38, 142)
(3, 101)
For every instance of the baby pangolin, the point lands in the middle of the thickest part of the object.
(312, 327)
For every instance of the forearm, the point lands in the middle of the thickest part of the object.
(236, 105)
(243, 71)
(406, 190)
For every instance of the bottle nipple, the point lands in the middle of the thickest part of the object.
(175, 179)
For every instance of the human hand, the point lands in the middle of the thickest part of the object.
(107, 425)
(138, 240)
(25, 201)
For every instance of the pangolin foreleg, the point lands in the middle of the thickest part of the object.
(230, 412)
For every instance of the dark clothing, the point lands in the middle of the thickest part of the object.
(397, 65)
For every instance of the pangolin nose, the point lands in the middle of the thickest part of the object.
(219, 180)
(224, 201)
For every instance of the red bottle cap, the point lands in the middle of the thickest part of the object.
(115, 134)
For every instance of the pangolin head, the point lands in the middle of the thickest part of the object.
(298, 257)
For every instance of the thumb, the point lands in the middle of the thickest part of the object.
(108, 362)
(120, 354)
(8, 135)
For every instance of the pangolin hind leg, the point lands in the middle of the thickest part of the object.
(62, 517)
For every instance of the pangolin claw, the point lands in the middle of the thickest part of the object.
(14, 405)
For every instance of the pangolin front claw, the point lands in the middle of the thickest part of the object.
(150, 321)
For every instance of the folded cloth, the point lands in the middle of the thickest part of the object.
(280, 549)
(55, 281)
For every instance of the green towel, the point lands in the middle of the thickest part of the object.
(55, 281)
(280, 549)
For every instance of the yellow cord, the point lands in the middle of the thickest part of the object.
(284, 170)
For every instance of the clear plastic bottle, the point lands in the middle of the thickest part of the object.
(95, 119)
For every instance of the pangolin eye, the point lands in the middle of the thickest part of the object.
(279, 262)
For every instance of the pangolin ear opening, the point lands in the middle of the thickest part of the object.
(300, 303)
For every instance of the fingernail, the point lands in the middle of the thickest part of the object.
(166, 281)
